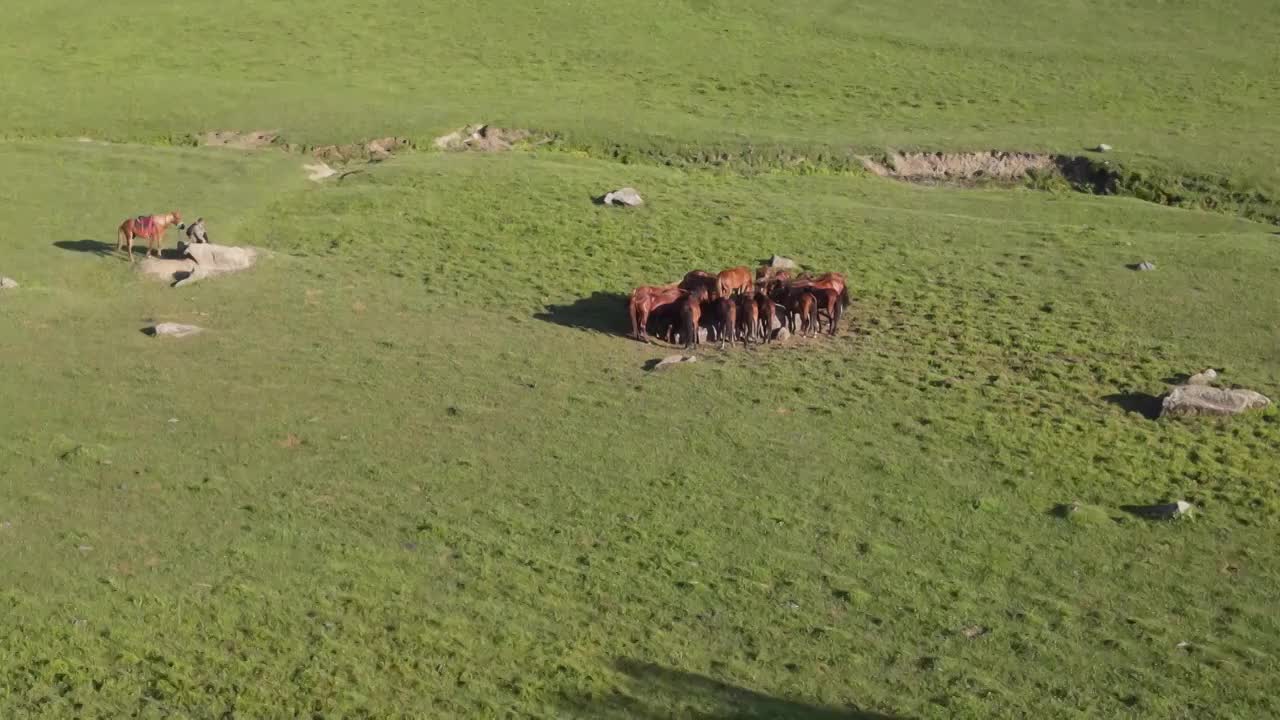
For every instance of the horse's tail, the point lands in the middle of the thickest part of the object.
(844, 296)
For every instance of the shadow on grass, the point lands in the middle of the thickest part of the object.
(660, 692)
(95, 247)
(604, 312)
(105, 249)
(1148, 406)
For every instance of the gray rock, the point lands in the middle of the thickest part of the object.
(1165, 511)
(777, 262)
(173, 330)
(1144, 266)
(1203, 378)
(8, 283)
(670, 360)
(624, 196)
(1196, 400)
(703, 334)
(782, 334)
(1103, 147)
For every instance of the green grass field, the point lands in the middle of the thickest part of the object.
(413, 469)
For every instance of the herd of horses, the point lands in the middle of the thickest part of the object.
(734, 305)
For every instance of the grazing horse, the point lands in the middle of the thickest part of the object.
(151, 227)
(733, 279)
(748, 317)
(726, 320)
(764, 307)
(699, 278)
(691, 314)
(646, 299)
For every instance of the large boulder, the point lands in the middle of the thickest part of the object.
(1196, 400)
(214, 259)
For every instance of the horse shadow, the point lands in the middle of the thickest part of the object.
(105, 249)
(604, 312)
(653, 690)
(93, 247)
(1145, 405)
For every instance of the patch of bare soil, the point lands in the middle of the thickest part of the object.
(487, 138)
(239, 140)
(960, 167)
(372, 150)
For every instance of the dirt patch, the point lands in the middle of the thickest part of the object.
(370, 150)
(961, 167)
(487, 138)
(240, 140)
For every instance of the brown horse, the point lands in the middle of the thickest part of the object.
(691, 314)
(151, 227)
(726, 320)
(699, 278)
(831, 292)
(800, 304)
(733, 279)
(646, 299)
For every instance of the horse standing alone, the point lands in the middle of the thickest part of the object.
(151, 227)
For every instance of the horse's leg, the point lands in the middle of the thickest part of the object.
(129, 243)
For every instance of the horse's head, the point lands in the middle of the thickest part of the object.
(176, 218)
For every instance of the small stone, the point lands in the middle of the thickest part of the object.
(1103, 147)
(674, 360)
(8, 283)
(1203, 378)
(782, 334)
(173, 421)
(85, 548)
(627, 196)
(1164, 511)
(974, 631)
(173, 330)
(1144, 266)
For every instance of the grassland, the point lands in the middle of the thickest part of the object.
(370, 490)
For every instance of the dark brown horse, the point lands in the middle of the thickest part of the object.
(748, 318)
(699, 278)
(151, 227)
(733, 280)
(831, 293)
(691, 314)
(726, 320)
(800, 305)
(765, 309)
(645, 300)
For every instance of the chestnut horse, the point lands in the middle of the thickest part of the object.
(691, 314)
(733, 279)
(151, 227)
(646, 299)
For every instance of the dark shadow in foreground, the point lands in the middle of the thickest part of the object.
(659, 692)
(1148, 406)
(602, 312)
